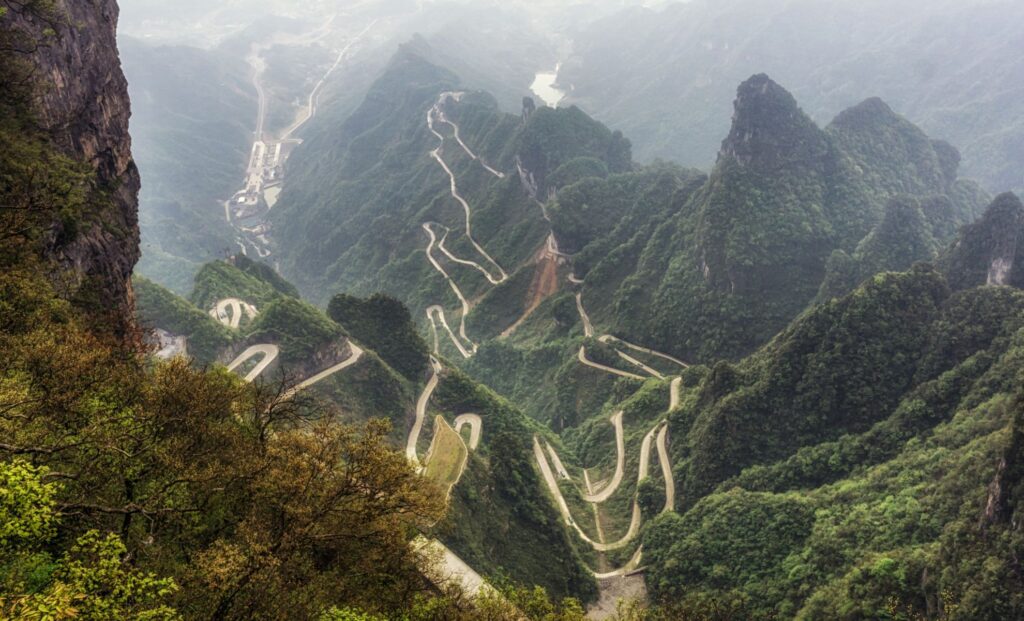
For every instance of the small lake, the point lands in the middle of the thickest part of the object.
(544, 87)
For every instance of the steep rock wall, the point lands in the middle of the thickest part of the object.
(82, 102)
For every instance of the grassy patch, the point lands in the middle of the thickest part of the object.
(447, 456)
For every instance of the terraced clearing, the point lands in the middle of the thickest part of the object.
(446, 459)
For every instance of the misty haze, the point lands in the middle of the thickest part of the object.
(430, 310)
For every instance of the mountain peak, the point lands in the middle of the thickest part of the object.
(769, 129)
(871, 108)
(987, 252)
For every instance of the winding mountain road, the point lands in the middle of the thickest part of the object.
(673, 393)
(234, 318)
(455, 259)
(436, 154)
(608, 339)
(656, 437)
(467, 348)
(630, 566)
(439, 310)
(666, 469)
(614, 339)
(582, 356)
(455, 128)
(476, 426)
(560, 468)
(549, 478)
(588, 328)
(269, 353)
(356, 353)
(620, 463)
(421, 411)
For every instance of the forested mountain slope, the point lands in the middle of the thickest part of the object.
(747, 252)
(855, 466)
(791, 248)
(700, 267)
(393, 370)
(787, 388)
(353, 218)
(135, 487)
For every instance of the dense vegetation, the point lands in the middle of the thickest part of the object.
(384, 324)
(501, 494)
(158, 307)
(851, 448)
(844, 470)
(742, 256)
(140, 489)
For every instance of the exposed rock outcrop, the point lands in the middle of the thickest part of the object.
(769, 130)
(987, 251)
(82, 102)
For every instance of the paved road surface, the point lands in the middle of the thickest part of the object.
(588, 331)
(666, 469)
(421, 412)
(614, 339)
(560, 468)
(466, 262)
(588, 328)
(436, 154)
(269, 352)
(673, 392)
(549, 478)
(620, 463)
(631, 360)
(353, 358)
(450, 569)
(439, 311)
(630, 566)
(237, 307)
(476, 425)
(657, 436)
(444, 119)
(590, 363)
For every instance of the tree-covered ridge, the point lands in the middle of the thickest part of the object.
(840, 472)
(747, 252)
(385, 384)
(362, 197)
(159, 308)
(384, 324)
(985, 252)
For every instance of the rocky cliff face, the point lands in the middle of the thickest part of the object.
(769, 131)
(987, 251)
(82, 102)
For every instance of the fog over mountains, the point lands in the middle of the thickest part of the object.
(555, 310)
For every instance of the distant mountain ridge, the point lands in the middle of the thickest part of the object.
(749, 249)
(664, 76)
